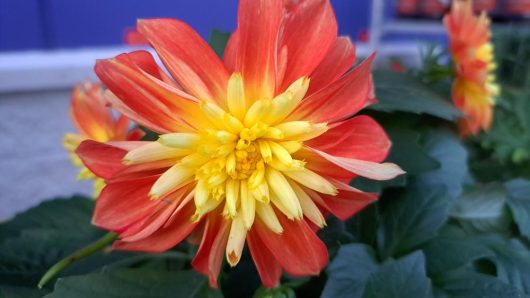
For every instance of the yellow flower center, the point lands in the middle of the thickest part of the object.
(243, 157)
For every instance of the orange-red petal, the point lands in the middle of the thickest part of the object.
(258, 28)
(268, 268)
(210, 255)
(359, 137)
(337, 61)
(102, 159)
(298, 249)
(309, 31)
(188, 58)
(177, 229)
(340, 99)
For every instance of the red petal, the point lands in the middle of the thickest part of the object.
(166, 237)
(189, 59)
(141, 96)
(123, 203)
(360, 138)
(309, 31)
(337, 61)
(166, 208)
(268, 268)
(339, 100)
(346, 203)
(258, 26)
(230, 53)
(298, 249)
(102, 159)
(210, 255)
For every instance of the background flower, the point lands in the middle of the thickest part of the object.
(92, 116)
(474, 87)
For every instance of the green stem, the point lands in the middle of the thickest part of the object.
(76, 256)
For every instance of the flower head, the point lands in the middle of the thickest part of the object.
(92, 116)
(474, 88)
(255, 148)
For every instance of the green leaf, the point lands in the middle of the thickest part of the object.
(445, 147)
(10, 291)
(36, 239)
(404, 93)
(349, 271)
(474, 285)
(407, 152)
(519, 203)
(447, 254)
(405, 277)
(512, 259)
(134, 283)
(482, 209)
(411, 220)
(68, 215)
(218, 41)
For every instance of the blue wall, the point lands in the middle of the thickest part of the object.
(51, 24)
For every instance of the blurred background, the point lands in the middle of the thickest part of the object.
(46, 46)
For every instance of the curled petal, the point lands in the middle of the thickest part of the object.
(359, 138)
(338, 60)
(368, 169)
(179, 227)
(340, 99)
(187, 57)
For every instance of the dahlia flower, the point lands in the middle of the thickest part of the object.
(92, 116)
(474, 87)
(255, 148)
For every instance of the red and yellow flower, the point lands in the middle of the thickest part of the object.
(255, 148)
(474, 87)
(92, 116)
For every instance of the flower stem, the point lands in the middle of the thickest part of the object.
(76, 256)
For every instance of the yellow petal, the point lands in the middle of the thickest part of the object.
(281, 153)
(313, 181)
(201, 193)
(265, 150)
(268, 217)
(283, 104)
(283, 193)
(256, 112)
(176, 176)
(232, 196)
(309, 207)
(261, 193)
(291, 146)
(294, 128)
(180, 140)
(153, 151)
(236, 241)
(257, 176)
(248, 206)
(236, 96)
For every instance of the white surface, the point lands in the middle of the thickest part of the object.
(48, 70)
(33, 164)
